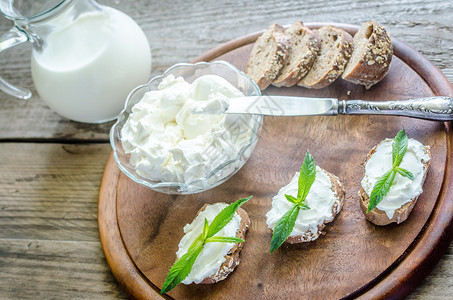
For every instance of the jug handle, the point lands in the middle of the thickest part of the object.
(11, 38)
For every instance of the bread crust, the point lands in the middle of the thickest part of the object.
(375, 55)
(341, 59)
(339, 192)
(277, 52)
(232, 259)
(379, 217)
(301, 56)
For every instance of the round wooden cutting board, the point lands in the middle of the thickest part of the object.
(140, 229)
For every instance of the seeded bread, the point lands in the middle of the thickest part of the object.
(336, 49)
(268, 55)
(339, 193)
(303, 49)
(379, 217)
(232, 259)
(372, 55)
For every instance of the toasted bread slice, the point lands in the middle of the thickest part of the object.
(379, 217)
(372, 55)
(268, 55)
(339, 192)
(302, 52)
(232, 258)
(336, 49)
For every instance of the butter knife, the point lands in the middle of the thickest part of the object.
(431, 108)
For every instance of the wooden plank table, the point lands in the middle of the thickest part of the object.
(51, 167)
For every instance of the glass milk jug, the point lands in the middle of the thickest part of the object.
(86, 58)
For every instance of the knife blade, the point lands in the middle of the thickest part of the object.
(438, 108)
(281, 106)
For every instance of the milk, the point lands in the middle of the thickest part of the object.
(87, 68)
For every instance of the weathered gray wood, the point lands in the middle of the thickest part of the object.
(49, 239)
(49, 243)
(49, 191)
(43, 269)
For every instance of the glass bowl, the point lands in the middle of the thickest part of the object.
(215, 173)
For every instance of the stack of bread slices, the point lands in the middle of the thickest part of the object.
(316, 58)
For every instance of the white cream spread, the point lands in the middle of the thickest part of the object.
(215, 106)
(169, 143)
(320, 199)
(212, 256)
(403, 190)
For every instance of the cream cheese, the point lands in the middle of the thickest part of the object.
(403, 190)
(320, 199)
(215, 106)
(168, 142)
(212, 255)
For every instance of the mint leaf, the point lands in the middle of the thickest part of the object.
(405, 173)
(182, 267)
(307, 177)
(205, 229)
(383, 185)
(225, 216)
(291, 199)
(303, 206)
(223, 239)
(399, 148)
(381, 189)
(284, 227)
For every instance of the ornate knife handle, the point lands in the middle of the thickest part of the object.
(432, 108)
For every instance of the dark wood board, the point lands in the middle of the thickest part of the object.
(140, 229)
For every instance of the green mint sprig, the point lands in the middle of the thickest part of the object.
(285, 225)
(384, 183)
(182, 267)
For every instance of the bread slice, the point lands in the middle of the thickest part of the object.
(268, 55)
(232, 259)
(336, 49)
(303, 49)
(372, 55)
(379, 217)
(339, 193)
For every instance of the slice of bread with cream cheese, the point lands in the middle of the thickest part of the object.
(325, 200)
(217, 260)
(403, 194)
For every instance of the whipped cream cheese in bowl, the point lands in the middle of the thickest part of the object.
(169, 136)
